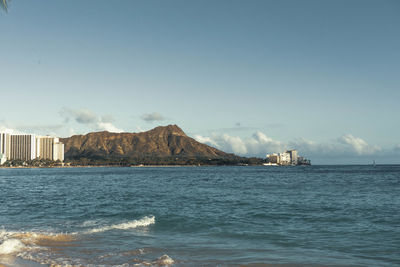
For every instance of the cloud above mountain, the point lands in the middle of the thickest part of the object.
(152, 117)
(90, 119)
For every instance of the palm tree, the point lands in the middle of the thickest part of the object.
(4, 5)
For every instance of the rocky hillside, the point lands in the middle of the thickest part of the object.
(160, 142)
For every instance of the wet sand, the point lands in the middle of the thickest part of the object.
(12, 261)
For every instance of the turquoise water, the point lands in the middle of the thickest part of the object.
(202, 216)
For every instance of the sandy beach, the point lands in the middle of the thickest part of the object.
(11, 261)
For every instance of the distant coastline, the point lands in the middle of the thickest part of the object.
(145, 166)
(115, 166)
(163, 146)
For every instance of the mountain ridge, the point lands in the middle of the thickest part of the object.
(161, 142)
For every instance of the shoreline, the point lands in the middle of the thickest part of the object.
(10, 261)
(111, 166)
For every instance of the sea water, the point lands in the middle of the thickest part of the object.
(201, 216)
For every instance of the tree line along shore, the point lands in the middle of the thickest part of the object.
(127, 162)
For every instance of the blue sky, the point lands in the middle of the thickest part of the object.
(249, 77)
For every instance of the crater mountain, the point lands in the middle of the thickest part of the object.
(157, 146)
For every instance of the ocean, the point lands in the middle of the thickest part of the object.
(201, 216)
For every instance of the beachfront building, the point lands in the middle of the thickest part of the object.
(29, 147)
(285, 158)
(48, 147)
(273, 159)
(3, 159)
(303, 161)
(58, 153)
(290, 157)
(4, 143)
(293, 156)
(22, 147)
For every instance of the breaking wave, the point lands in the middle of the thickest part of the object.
(164, 260)
(145, 221)
(15, 242)
(11, 246)
(42, 247)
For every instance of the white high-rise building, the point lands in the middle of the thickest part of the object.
(3, 159)
(5, 144)
(22, 147)
(58, 151)
(49, 148)
(293, 156)
(29, 147)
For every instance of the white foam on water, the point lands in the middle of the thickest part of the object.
(11, 246)
(5, 234)
(48, 259)
(26, 244)
(145, 221)
(89, 223)
(164, 260)
(37, 246)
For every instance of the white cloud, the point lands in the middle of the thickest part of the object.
(224, 142)
(5, 129)
(346, 145)
(107, 126)
(232, 143)
(312, 148)
(39, 129)
(206, 140)
(85, 116)
(82, 116)
(90, 119)
(357, 145)
(259, 144)
(152, 117)
(48, 129)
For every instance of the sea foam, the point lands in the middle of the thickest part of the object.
(35, 246)
(145, 221)
(164, 260)
(11, 246)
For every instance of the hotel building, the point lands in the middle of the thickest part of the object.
(2, 159)
(49, 148)
(290, 157)
(293, 156)
(29, 147)
(22, 147)
(4, 143)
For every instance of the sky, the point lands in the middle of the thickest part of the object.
(248, 77)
